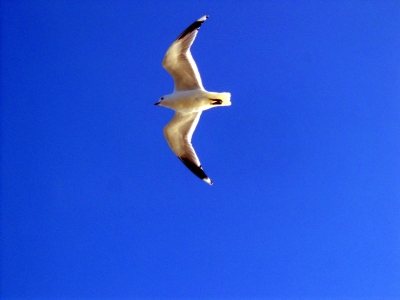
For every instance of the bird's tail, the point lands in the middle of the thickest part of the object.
(220, 99)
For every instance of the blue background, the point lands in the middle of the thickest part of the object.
(305, 163)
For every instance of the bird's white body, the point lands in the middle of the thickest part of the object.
(188, 100)
(194, 100)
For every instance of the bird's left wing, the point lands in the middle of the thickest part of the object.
(179, 62)
(179, 132)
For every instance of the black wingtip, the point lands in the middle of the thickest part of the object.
(195, 25)
(197, 170)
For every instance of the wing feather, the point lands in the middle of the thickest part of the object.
(179, 62)
(178, 133)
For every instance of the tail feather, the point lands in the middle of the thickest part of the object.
(224, 97)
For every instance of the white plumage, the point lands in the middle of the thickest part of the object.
(188, 100)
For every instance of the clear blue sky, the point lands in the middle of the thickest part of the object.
(305, 163)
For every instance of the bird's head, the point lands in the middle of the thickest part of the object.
(163, 98)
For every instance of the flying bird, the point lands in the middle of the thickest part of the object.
(188, 100)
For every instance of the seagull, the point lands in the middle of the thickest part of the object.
(188, 100)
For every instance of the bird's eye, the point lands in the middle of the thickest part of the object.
(162, 98)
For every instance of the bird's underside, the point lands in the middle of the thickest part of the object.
(188, 100)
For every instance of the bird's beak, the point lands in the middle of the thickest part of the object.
(158, 103)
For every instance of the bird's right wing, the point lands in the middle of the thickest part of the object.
(179, 132)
